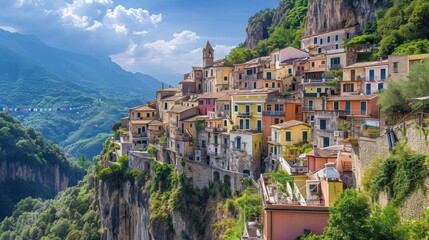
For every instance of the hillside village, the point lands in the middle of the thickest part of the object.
(299, 110)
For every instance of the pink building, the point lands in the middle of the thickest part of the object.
(207, 102)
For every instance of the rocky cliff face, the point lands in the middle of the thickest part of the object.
(328, 15)
(260, 22)
(52, 177)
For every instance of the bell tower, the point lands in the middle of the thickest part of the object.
(208, 55)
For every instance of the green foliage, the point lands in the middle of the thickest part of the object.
(25, 146)
(163, 139)
(287, 33)
(83, 163)
(349, 217)
(71, 215)
(199, 124)
(413, 47)
(395, 98)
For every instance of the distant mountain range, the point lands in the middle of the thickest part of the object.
(34, 76)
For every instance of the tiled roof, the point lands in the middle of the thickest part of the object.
(143, 108)
(139, 122)
(352, 97)
(156, 122)
(214, 95)
(180, 109)
(289, 124)
(368, 64)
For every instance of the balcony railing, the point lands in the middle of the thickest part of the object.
(321, 94)
(348, 112)
(332, 51)
(213, 129)
(273, 113)
(244, 114)
(251, 77)
(374, 78)
(336, 66)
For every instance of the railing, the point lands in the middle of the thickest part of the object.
(244, 114)
(348, 112)
(273, 113)
(374, 78)
(140, 135)
(308, 108)
(321, 94)
(339, 50)
(213, 129)
(336, 66)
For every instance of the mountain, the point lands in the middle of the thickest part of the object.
(36, 76)
(30, 165)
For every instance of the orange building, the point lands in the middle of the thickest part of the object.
(278, 110)
(362, 106)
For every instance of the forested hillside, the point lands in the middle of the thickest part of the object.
(31, 166)
(35, 78)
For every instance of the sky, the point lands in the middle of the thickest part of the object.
(157, 37)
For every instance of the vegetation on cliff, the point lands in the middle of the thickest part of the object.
(71, 215)
(401, 29)
(21, 146)
(286, 33)
(398, 97)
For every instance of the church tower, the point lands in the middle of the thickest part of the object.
(208, 55)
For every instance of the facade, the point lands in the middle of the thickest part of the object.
(286, 134)
(332, 40)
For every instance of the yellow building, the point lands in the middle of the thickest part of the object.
(247, 108)
(286, 134)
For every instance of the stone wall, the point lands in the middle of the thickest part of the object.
(368, 149)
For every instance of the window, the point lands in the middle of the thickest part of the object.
(259, 125)
(336, 106)
(208, 100)
(225, 78)
(328, 39)
(289, 71)
(266, 85)
(304, 136)
(249, 71)
(259, 108)
(165, 105)
(336, 38)
(322, 124)
(288, 136)
(348, 35)
(245, 85)
(310, 105)
(211, 72)
(225, 123)
(319, 50)
(348, 87)
(281, 108)
(315, 40)
(313, 64)
(235, 108)
(335, 62)
(225, 141)
(254, 85)
(240, 76)
(207, 73)
(147, 114)
(337, 46)
(138, 115)
(238, 142)
(395, 67)
(276, 121)
(380, 86)
(241, 123)
(201, 102)
(226, 107)
(321, 41)
(269, 107)
(247, 123)
(269, 75)
(273, 85)
(382, 74)
(319, 90)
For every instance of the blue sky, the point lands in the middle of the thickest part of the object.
(158, 37)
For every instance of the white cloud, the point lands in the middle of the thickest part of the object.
(177, 54)
(9, 29)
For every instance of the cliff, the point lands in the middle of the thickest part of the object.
(328, 15)
(30, 165)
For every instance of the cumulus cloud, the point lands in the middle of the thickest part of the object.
(177, 54)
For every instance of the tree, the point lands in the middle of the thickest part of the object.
(83, 163)
(349, 217)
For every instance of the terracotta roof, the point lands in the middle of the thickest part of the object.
(352, 97)
(169, 90)
(143, 108)
(156, 122)
(173, 98)
(368, 64)
(140, 121)
(180, 109)
(193, 118)
(214, 95)
(289, 124)
(225, 97)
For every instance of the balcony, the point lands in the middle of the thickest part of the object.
(348, 112)
(244, 114)
(336, 66)
(213, 129)
(374, 78)
(308, 108)
(294, 167)
(273, 113)
(316, 95)
(333, 51)
(274, 141)
(251, 77)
